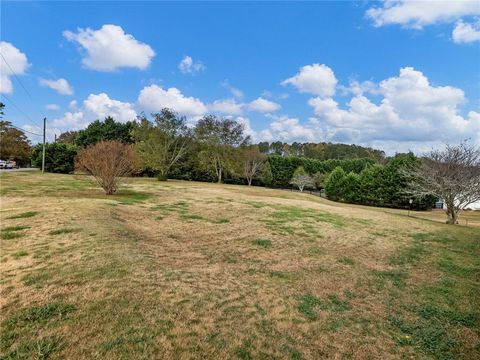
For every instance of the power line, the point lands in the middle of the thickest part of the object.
(29, 132)
(16, 77)
(20, 110)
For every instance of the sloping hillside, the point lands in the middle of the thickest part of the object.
(196, 270)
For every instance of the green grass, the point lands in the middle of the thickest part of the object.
(24, 215)
(62, 231)
(308, 305)
(20, 254)
(15, 228)
(8, 235)
(192, 217)
(129, 197)
(346, 261)
(22, 329)
(290, 220)
(221, 221)
(429, 316)
(262, 242)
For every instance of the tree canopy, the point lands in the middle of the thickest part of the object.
(108, 129)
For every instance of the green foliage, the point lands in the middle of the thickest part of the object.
(334, 183)
(377, 185)
(162, 143)
(283, 168)
(59, 158)
(109, 129)
(321, 151)
(219, 140)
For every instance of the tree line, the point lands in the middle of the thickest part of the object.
(218, 149)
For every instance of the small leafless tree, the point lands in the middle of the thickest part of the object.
(452, 174)
(253, 162)
(109, 162)
(301, 179)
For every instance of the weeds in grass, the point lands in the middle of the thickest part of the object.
(40, 349)
(19, 254)
(25, 323)
(8, 235)
(64, 231)
(412, 253)
(256, 204)
(308, 303)
(192, 217)
(346, 260)
(221, 221)
(24, 215)
(262, 242)
(15, 228)
(290, 220)
(129, 197)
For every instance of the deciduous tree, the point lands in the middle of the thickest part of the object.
(452, 174)
(219, 139)
(253, 162)
(14, 144)
(302, 179)
(161, 144)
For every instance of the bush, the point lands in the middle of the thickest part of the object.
(108, 162)
(59, 158)
(334, 184)
(282, 168)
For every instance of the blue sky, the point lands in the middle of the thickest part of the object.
(395, 75)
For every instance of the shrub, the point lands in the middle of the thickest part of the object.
(334, 184)
(108, 162)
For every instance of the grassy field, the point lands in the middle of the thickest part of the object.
(185, 270)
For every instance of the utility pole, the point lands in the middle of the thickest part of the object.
(43, 152)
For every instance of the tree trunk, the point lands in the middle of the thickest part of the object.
(452, 215)
(249, 181)
(219, 174)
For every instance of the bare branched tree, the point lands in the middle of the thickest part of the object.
(453, 174)
(109, 162)
(301, 179)
(253, 162)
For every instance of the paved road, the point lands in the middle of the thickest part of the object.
(20, 169)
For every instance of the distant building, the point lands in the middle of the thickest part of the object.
(474, 206)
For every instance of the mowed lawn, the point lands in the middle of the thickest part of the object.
(187, 270)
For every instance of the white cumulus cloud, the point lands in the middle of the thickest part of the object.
(60, 85)
(466, 32)
(95, 106)
(102, 106)
(53, 107)
(316, 79)
(13, 62)
(155, 98)
(110, 48)
(188, 66)
(226, 106)
(417, 14)
(263, 105)
(411, 109)
(401, 113)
